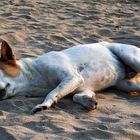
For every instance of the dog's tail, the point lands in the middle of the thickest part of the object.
(129, 54)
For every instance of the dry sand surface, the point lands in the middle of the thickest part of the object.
(34, 27)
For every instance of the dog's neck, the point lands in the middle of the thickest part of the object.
(29, 71)
(28, 80)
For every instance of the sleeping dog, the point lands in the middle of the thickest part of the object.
(81, 71)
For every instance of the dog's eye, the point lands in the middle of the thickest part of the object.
(7, 85)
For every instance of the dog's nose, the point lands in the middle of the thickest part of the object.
(96, 103)
(2, 93)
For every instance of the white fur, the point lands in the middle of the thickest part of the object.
(56, 74)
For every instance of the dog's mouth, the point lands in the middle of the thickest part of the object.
(3, 91)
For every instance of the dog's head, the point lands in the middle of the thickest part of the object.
(9, 68)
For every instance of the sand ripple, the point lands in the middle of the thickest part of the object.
(34, 27)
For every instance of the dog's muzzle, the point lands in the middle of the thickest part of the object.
(3, 91)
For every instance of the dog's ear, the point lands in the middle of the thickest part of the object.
(7, 54)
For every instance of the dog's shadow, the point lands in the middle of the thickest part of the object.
(124, 95)
(117, 101)
(23, 105)
(19, 104)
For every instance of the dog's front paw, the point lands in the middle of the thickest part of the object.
(39, 108)
(45, 105)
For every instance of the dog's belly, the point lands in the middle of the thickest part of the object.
(100, 75)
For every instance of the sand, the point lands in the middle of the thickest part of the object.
(34, 27)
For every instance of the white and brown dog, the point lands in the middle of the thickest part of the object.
(82, 70)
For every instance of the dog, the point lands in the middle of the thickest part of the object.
(81, 71)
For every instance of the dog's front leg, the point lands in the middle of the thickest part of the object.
(67, 86)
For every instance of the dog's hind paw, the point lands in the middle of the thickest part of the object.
(39, 108)
(89, 103)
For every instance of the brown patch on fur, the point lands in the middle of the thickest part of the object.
(10, 69)
(8, 60)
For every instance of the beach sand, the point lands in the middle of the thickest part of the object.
(34, 27)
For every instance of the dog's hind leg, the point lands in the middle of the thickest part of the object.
(127, 86)
(67, 86)
(86, 98)
(129, 54)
